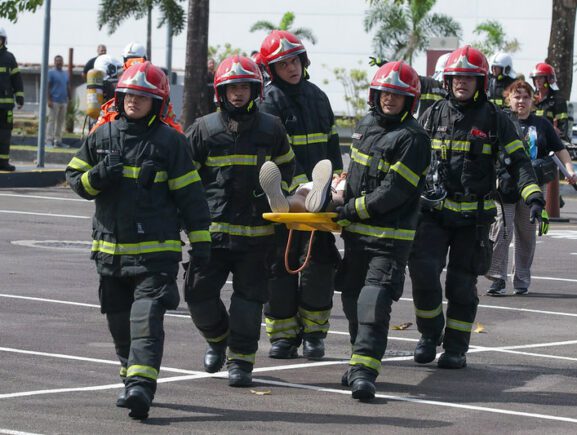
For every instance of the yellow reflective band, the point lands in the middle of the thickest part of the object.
(333, 129)
(19, 94)
(361, 207)
(380, 232)
(561, 116)
(285, 158)
(247, 357)
(143, 372)
(315, 316)
(365, 361)
(539, 112)
(218, 339)
(134, 171)
(241, 230)
(136, 248)
(14, 71)
(282, 328)
(79, 165)
(304, 139)
(87, 186)
(4, 156)
(429, 314)
(310, 327)
(184, 180)
(199, 236)
(405, 172)
(529, 190)
(459, 325)
(232, 160)
(6, 100)
(364, 160)
(3, 69)
(122, 372)
(459, 207)
(431, 97)
(514, 146)
(458, 146)
(297, 181)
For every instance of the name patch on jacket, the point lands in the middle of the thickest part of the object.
(357, 136)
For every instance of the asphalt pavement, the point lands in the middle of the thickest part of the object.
(58, 372)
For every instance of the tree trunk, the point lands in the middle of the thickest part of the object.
(560, 51)
(195, 102)
(149, 33)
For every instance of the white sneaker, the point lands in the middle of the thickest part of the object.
(320, 195)
(270, 180)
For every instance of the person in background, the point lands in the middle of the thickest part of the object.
(58, 94)
(210, 70)
(11, 89)
(548, 102)
(145, 187)
(542, 139)
(500, 77)
(100, 50)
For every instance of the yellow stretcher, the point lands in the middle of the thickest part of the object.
(303, 222)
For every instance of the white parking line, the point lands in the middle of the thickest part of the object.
(58, 198)
(44, 214)
(199, 375)
(16, 432)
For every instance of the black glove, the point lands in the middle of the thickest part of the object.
(344, 215)
(105, 174)
(537, 213)
(377, 61)
(19, 101)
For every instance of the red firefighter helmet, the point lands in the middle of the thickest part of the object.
(280, 45)
(238, 69)
(398, 78)
(467, 61)
(547, 71)
(144, 79)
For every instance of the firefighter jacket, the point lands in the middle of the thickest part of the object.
(385, 179)
(10, 81)
(466, 141)
(137, 220)
(497, 85)
(307, 115)
(554, 108)
(228, 155)
(431, 91)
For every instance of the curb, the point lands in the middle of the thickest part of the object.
(32, 178)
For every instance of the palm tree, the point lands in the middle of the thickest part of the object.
(404, 28)
(561, 40)
(113, 12)
(494, 39)
(286, 23)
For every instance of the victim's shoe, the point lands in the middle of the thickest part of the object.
(319, 196)
(270, 180)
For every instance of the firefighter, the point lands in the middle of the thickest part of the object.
(500, 77)
(11, 89)
(138, 171)
(112, 70)
(548, 101)
(467, 133)
(229, 147)
(390, 155)
(299, 306)
(134, 52)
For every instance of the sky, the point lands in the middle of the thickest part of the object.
(337, 24)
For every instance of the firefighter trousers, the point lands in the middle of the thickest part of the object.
(369, 283)
(134, 308)
(6, 124)
(433, 244)
(240, 327)
(300, 305)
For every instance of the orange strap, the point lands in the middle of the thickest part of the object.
(287, 249)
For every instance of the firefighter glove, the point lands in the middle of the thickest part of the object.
(104, 174)
(537, 213)
(343, 217)
(19, 101)
(199, 255)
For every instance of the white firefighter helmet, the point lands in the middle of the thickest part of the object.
(440, 66)
(111, 67)
(504, 61)
(134, 49)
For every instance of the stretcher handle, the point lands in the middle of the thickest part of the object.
(307, 259)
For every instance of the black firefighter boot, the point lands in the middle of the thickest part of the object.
(239, 374)
(215, 356)
(426, 349)
(283, 348)
(313, 348)
(362, 383)
(138, 400)
(452, 360)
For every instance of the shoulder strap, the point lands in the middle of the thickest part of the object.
(213, 124)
